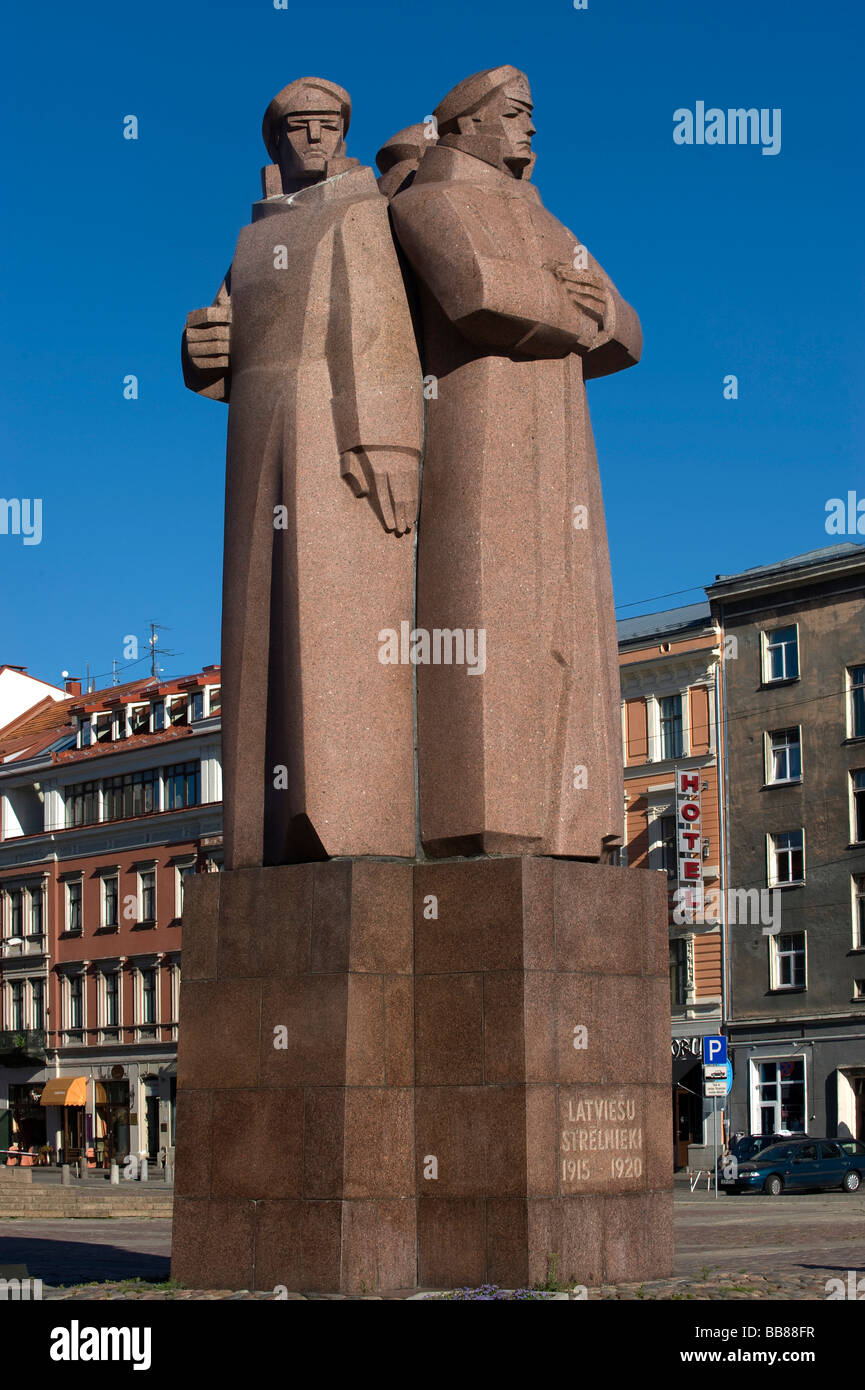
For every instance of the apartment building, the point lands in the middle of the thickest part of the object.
(669, 667)
(109, 800)
(793, 674)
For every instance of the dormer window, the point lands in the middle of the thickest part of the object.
(84, 733)
(157, 720)
(177, 710)
(102, 728)
(120, 722)
(215, 702)
(196, 704)
(139, 719)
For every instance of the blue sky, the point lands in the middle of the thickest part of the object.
(736, 263)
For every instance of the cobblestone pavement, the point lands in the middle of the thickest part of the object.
(750, 1247)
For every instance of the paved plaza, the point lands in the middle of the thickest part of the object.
(749, 1247)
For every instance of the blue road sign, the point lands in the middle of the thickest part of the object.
(729, 1076)
(714, 1051)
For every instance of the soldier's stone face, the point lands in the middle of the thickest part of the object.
(307, 141)
(512, 109)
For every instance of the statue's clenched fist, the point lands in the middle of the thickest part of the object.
(207, 337)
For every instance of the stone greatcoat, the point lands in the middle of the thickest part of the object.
(525, 758)
(318, 754)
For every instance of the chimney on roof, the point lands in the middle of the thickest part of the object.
(72, 685)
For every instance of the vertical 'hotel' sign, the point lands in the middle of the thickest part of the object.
(689, 840)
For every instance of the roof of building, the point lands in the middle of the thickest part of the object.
(827, 553)
(693, 615)
(51, 723)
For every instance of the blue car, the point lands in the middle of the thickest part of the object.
(798, 1165)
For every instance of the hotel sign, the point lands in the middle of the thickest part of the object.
(689, 845)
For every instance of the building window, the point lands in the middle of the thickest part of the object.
(84, 727)
(781, 654)
(177, 711)
(856, 678)
(788, 961)
(669, 856)
(857, 789)
(859, 912)
(678, 973)
(74, 1002)
(139, 719)
(119, 717)
(16, 1015)
(110, 895)
(102, 724)
(859, 989)
(174, 992)
(73, 905)
(671, 726)
(36, 917)
(133, 794)
(781, 1096)
(82, 804)
(157, 720)
(184, 871)
(215, 701)
(147, 895)
(182, 785)
(148, 996)
(37, 994)
(785, 755)
(197, 704)
(16, 912)
(110, 999)
(787, 857)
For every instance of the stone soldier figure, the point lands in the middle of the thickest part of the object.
(524, 758)
(310, 339)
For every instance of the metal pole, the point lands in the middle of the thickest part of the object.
(715, 1117)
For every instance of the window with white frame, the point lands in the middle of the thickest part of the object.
(74, 891)
(856, 701)
(781, 654)
(784, 755)
(157, 716)
(857, 806)
(196, 705)
(787, 857)
(858, 912)
(780, 1095)
(214, 702)
(110, 899)
(177, 710)
(147, 895)
(16, 1005)
(37, 1002)
(139, 719)
(84, 731)
(37, 899)
(16, 912)
(670, 709)
(146, 996)
(109, 999)
(74, 1002)
(787, 960)
(174, 992)
(183, 871)
(678, 973)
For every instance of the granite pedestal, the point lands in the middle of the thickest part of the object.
(395, 1075)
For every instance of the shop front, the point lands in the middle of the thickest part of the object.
(112, 1123)
(27, 1126)
(75, 1128)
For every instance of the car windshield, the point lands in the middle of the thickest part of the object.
(772, 1154)
(852, 1146)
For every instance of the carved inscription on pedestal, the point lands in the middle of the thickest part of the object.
(602, 1144)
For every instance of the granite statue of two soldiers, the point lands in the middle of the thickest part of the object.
(355, 507)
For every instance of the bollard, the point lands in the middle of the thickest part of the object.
(65, 1176)
(115, 1173)
(169, 1172)
(144, 1170)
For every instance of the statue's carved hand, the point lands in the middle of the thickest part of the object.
(208, 337)
(587, 292)
(389, 477)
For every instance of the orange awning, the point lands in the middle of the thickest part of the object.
(70, 1090)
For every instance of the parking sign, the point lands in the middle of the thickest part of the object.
(714, 1051)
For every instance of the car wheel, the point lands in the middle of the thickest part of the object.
(851, 1181)
(773, 1185)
